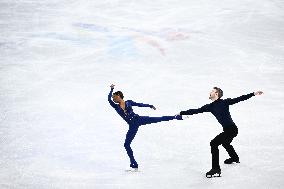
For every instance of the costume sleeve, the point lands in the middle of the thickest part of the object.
(232, 101)
(109, 98)
(205, 108)
(140, 104)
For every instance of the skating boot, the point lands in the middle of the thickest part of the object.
(232, 160)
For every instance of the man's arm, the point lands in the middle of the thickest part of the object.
(142, 105)
(110, 95)
(242, 98)
(205, 108)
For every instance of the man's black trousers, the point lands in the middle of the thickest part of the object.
(225, 138)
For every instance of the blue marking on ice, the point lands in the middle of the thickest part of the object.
(72, 39)
(122, 46)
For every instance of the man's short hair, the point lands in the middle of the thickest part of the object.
(119, 93)
(219, 91)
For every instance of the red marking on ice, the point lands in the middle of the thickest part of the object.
(172, 36)
(156, 44)
(153, 43)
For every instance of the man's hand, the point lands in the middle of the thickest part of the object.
(112, 86)
(153, 107)
(258, 93)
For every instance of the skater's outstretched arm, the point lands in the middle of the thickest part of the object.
(205, 108)
(110, 95)
(141, 104)
(232, 101)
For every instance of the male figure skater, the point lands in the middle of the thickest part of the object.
(220, 109)
(124, 109)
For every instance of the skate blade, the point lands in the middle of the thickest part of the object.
(215, 175)
(131, 170)
(235, 162)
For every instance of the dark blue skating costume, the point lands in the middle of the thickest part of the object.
(134, 121)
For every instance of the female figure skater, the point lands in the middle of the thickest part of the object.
(124, 109)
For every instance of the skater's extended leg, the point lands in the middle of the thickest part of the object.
(129, 137)
(144, 120)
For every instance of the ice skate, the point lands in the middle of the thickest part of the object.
(133, 168)
(232, 160)
(213, 173)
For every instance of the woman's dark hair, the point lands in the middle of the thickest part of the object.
(119, 93)
(219, 91)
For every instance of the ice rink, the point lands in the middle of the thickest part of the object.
(58, 59)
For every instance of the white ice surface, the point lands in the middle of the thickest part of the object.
(58, 59)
